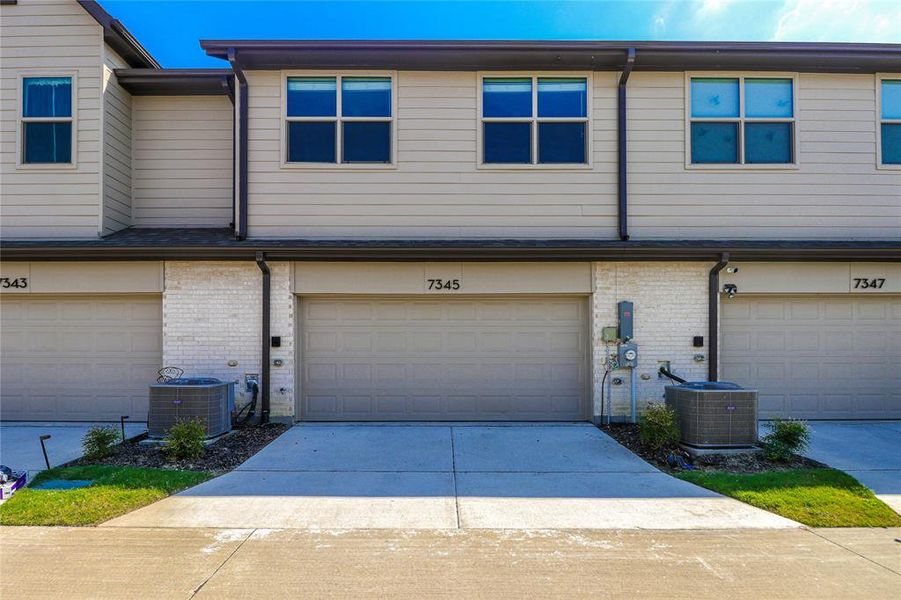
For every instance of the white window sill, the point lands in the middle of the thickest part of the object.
(885, 167)
(746, 167)
(47, 166)
(338, 166)
(538, 167)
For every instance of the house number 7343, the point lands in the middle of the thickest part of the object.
(440, 285)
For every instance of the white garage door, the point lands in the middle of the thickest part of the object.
(826, 357)
(443, 359)
(78, 358)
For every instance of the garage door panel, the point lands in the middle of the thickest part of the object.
(459, 358)
(79, 358)
(816, 357)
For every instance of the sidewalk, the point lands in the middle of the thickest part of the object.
(219, 563)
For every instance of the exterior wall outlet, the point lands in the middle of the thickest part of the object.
(608, 334)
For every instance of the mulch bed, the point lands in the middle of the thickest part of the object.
(221, 456)
(753, 462)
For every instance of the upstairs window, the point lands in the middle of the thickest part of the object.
(742, 121)
(46, 120)
(339, 120)
(890, 121)
(534, 120)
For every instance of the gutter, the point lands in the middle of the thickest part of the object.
(265, 334)
(621, 156)
(713, 317)
(241, 141)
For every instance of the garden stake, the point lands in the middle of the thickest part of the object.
(122, 422)
(44, 449)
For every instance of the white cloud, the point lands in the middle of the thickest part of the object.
(839, 21)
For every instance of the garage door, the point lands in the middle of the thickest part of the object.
(437, 359)
(78, 358)
(826, 357)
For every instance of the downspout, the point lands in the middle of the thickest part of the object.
(713, 316)
(241, 229)
(622, 159)
(266, 337)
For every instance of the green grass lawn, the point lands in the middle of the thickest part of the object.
(814, 497)
(116, 490)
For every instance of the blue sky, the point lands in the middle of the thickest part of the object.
(170, 29)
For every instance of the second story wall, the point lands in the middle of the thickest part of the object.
(182, 161)
(117, 143)
(50, 39)
(836, 191)
(436, 189)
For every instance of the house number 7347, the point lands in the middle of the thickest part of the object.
(439, 285)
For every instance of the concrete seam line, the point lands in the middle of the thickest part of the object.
(227, 558)
(833, 542)
(454, 470)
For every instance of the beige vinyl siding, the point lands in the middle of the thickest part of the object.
(50, 38)
(436, 189)
(182, 161)
(836, 192)
(116, 147)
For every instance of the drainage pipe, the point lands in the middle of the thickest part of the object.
(621, 157)
(713, 316)
(265, 334)
(241, 98)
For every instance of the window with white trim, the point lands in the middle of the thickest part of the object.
(890, 121)
(534, 120)
(339, 119)
(742, 121)
(46, 120)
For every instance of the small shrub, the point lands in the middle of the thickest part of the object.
(99, 440)
(185, 440)
(659, 427)
(785, 439)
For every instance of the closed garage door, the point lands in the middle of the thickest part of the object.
(826, 357)
(443, 359)
(78, 358)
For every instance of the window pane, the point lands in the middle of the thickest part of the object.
(507, 97)
(769, 143)
(714, 143)
(891, 143)
(366, 96)
(891, 99)
(562, 98)
(47, 97)
(768, 98)
(312, 96)
(508, 143)
(48, 142)
(714, 97)
(561, 143)
(311, 142)
(367, 142)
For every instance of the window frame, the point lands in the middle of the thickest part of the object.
(338, 119)
(534, 120)
(741, 120)
(21, 119)
(880, 77)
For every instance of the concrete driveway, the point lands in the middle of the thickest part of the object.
(870, 451)
(448, 477)
(20, 447)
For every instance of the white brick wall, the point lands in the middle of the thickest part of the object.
(670, 304)
(211, 315)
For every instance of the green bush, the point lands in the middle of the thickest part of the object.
(185, 439)
(658, 429)
(785, 439)
(99, 440)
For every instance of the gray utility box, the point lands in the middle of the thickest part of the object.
(714, 414)
(205, 398)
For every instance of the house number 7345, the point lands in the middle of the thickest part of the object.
(440, 285)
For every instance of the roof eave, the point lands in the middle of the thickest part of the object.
(174, 82)
(119, 38)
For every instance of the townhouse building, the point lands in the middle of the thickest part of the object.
(445, 230)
